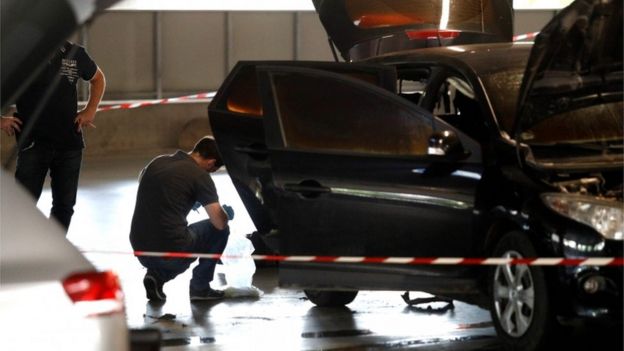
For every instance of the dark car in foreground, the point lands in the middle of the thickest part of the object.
(441, 138)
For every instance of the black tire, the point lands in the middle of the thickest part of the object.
(330, 298)
(531, 324)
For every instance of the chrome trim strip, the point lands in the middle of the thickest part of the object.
(458, 173)
(405, 197)
(467, 174)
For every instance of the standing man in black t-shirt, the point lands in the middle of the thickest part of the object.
(55, 142)
(169, 187)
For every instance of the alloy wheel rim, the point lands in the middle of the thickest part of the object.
(514, 296)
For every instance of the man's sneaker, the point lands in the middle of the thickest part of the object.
(208, 294)
(153, 288)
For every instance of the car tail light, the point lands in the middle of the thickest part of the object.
(432, 34)
(95, 293)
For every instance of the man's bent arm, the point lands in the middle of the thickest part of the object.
(218, 217)
(97, 85)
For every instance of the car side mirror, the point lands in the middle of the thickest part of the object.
(445, 143)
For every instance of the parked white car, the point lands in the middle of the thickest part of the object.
(51, 296)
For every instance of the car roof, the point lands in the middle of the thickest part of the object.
(482, 58)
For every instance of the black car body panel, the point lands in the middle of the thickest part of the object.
(367, 28)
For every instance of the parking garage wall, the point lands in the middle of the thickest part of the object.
(163, 54)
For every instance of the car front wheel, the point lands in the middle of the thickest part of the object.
(519, 302)
(329, 298)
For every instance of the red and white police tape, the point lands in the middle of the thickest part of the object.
(131, 105)
(491, 261)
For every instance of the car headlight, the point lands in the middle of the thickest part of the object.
(605, 216)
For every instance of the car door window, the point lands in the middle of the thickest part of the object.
(456, 103)
(322, 111)
(239, 94)
(412, 83)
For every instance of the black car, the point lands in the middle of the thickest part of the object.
(439, 137)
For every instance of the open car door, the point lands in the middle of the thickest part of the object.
(236, 118)
(356, 176)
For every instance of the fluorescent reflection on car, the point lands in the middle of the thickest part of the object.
(456, 48)
(446, 5)
(467, 174)
(414, 198)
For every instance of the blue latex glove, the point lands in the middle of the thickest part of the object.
(196, 206)
(229, 211)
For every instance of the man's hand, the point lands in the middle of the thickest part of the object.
(229, 211)
(84, 118)
(10, 125)
(196, 206)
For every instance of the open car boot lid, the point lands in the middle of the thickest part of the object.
(367, 28)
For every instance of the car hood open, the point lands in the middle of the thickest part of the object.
(368, 28)
(576, 62)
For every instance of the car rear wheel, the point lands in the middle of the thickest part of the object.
(325, 298)
(519, 302)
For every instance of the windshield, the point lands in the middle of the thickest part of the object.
(503, 88)
(501, 79)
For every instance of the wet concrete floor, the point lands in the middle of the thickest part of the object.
(279, 319)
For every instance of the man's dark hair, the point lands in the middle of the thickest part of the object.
(206, 147)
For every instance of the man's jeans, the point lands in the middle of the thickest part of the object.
(33, 163)
(205, 239)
